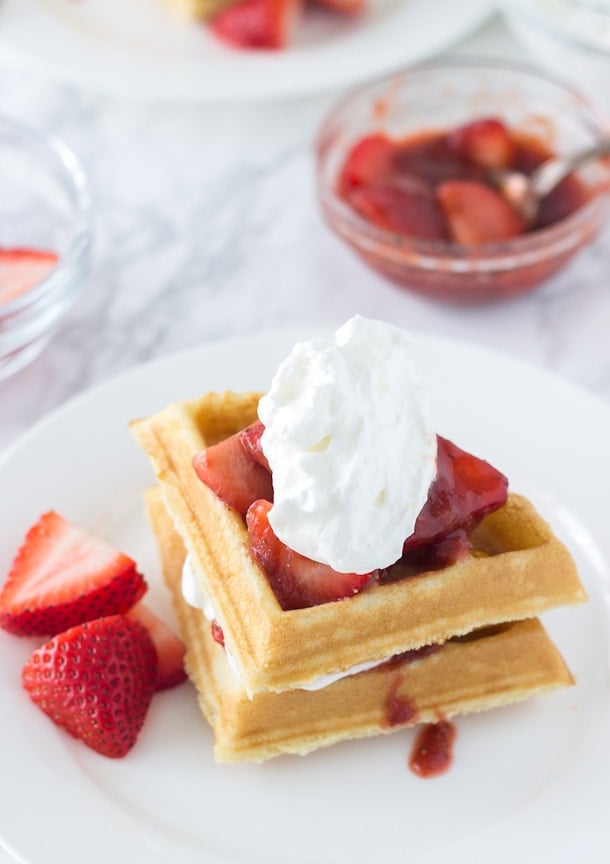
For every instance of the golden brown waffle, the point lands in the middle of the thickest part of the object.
(493, 668)
(518, 570)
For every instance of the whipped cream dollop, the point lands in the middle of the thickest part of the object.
(351, 446)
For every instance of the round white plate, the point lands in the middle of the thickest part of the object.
(142, 49)
(528, 781)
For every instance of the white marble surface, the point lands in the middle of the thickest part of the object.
(207, 227)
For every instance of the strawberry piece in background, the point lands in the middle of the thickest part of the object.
(259, 24)
(408, 206)
(485, 142)
(342, 7)
(22, 269)
(370, 161)
(477, 214)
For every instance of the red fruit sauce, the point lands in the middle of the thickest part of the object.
(436, 189)
(395, 183)
(398, 709)
(432, 752)
(217, 634)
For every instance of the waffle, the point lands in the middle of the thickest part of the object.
(518, 569)
(489, 669)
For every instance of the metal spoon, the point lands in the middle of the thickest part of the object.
(525, 191)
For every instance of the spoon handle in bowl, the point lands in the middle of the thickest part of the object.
(548, 175)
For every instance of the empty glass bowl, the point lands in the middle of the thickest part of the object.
(44, 208)
(437, 97)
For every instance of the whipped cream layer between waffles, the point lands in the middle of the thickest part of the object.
(488, 669)
(518, 569)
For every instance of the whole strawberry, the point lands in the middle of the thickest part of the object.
(96, 681)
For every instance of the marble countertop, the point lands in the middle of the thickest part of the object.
(207, 227)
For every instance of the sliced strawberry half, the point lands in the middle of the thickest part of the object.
(22, 269)
(485, 142)
(465, 490)
(96, 681)
(63, 576)
(251, 442)
(408, 206)
(477, 214)
(260, 24)
(230, 470)
(169, 646)
(297, 581)
(370, 161)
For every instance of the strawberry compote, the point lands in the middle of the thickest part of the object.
(440, 186)
(432, 752)
(464, 491)
(423, 210)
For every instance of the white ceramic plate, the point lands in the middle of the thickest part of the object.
(141, 49)
(528, 781)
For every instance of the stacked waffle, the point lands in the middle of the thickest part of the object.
(291, 681)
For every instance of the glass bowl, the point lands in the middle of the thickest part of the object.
(439, 96)
(44, 208)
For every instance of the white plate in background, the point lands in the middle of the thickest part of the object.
(142, 49)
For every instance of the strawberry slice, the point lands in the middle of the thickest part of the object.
(297, 581)
(485, 142)
(464, 490)
(96, 681)
(63, 576)
(408, 206)
(370, 161)
(170, 648)
(477, 214)
(230, 471)
(251, 441)
(21, 269)
(260, 24)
